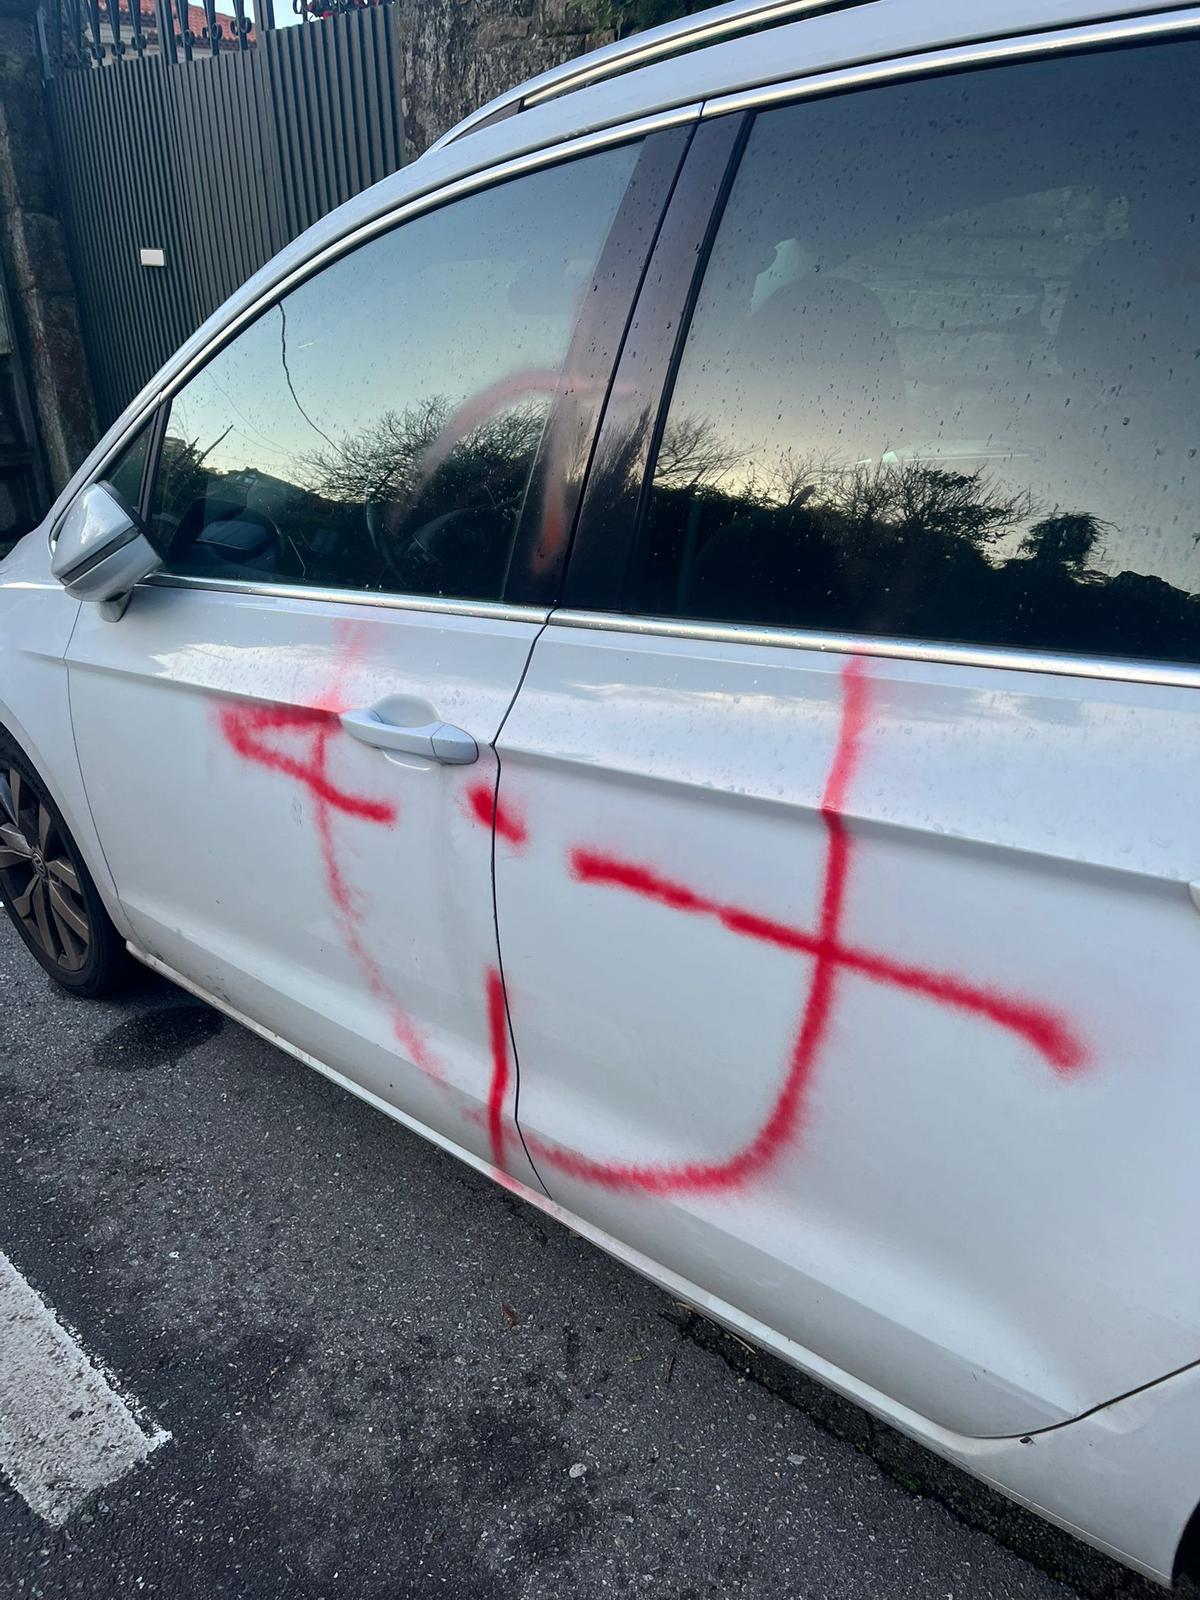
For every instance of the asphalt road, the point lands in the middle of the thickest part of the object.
(383, 1377)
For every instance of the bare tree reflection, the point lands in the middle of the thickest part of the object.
(894, 546)
(1066, 540)
(431, 515)
(691, 455)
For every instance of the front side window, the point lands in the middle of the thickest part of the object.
(125, 473)
(943, 377)
(376, 428)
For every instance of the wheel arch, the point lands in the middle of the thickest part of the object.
(1186, 1573)
(76, 814)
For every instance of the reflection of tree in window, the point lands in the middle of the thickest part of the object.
(434, 529)
(899, 547)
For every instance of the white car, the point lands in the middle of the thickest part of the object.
(661, 646)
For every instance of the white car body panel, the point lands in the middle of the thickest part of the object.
(929, 1218)
(350, 907)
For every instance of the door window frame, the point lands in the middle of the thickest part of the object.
(611, 517)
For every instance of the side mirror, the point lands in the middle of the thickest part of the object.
(102, 550)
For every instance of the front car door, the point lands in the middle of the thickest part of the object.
(286, 739)
(844, 902)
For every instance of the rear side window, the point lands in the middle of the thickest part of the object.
(943, 377)
(375, 429)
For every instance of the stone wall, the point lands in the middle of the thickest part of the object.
(461, 53)
(33, 254)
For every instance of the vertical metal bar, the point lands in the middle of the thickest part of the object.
(254, 179)
(264, 15)
(388, 98)
(269, 140)
(164, 22)
(212, 28)
(372, 111)
(240, 25)
(213, 209)
(304, 140)
(358, 38)
(186, 38)
(332, 112)
(97, 43)
(137, 38)
(113, 7)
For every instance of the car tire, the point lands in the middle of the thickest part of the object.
(48, 892)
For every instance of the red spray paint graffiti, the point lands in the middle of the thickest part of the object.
(1047, 1033)
(294, 742)
(498, 1037)
(300, 750)
(483, 807)
(245, 727)
(1044, 1031)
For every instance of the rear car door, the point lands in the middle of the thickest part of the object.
(286, 738)
(843, 893)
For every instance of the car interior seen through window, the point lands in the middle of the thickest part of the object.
(375, 429)
(953, 392)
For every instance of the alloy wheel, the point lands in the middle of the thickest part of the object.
(37, 876)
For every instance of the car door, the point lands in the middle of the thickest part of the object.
(286, 739)
(843, 894)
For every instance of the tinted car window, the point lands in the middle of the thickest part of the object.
(125, 474)
(943, 377)
(376, 428)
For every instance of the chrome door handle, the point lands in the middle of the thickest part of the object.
(436, 741)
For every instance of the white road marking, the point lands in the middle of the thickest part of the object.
(65, 1431)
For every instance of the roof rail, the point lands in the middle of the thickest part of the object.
(655, 44)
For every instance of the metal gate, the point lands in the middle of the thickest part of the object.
(187, 159)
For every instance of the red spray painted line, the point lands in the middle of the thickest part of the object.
(349, 917)
(482, 807)
(1038, 1025)
(244, 727)
(1046, 1032)
(783, 1121)
(477, 408)
(498, 1034)
(530, 383)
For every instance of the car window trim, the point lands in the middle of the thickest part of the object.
(158, 430)
(1080, 39)
(597, 574)
(1117, 669)
(498, 610)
